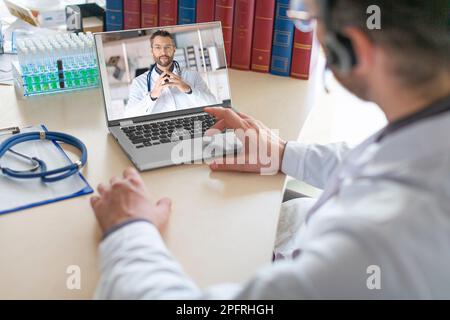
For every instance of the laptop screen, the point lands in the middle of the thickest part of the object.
(165, 69)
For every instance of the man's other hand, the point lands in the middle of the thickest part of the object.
(259, 142)
(127, 198)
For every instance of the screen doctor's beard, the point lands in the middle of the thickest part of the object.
(164, 60)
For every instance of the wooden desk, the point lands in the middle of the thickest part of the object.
(222, 226)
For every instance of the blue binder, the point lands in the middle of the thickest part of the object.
(283, 39)
(114, 15)
(186, 11)
(84, 188)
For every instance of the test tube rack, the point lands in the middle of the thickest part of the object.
(58, 63)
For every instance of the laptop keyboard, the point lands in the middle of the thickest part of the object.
(154, 133)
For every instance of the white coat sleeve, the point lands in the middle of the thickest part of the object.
(313, 163)
(135, 264)
(139, 102)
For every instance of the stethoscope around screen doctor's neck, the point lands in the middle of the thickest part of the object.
(154, 66)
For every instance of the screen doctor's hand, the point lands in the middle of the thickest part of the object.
(263, 150)
(127, 198)
(159, 86)
(176, 81)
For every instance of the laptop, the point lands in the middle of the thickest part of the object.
(155, 92)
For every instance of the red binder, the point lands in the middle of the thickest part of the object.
(168, 12)
(242, 34)
(301, 54)
(149, 13)
(205, 10)
(224, 13)
(131, 14)
(262, 35)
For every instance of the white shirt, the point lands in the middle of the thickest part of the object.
(171, 98)
(385, 204)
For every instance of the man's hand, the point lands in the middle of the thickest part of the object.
(127, 198)
(263, 150)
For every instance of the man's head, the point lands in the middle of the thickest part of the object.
(412, 48)
(163, 48)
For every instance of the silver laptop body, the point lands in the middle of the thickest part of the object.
(165, 138)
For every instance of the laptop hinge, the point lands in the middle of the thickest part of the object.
(125, 123)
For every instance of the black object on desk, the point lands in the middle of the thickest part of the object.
(76, 13)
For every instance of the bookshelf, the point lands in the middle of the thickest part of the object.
(258, 35)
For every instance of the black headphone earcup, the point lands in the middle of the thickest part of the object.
(332, 57)
(340, 53)
(348, 45)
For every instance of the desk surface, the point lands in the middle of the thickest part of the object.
(222, 226)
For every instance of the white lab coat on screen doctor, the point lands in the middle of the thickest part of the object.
(381, 229)
(171, 98)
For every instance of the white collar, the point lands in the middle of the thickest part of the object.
(155, 74)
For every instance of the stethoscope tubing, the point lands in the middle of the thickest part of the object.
(43, 174)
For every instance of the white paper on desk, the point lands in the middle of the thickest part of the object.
(17, 194)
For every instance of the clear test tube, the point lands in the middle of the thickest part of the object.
(28, 63)
(74, 64)
(30, 45)
(24, 65)
(93, 64)
(44, 70)
(59, 38)
(75, 53)
(64, 48)
(90, 54)
(34, 66)
(50, 63)
(21, 54)
(86, 59)
(84, 42)
(20, 45)
(51, 56)
(39, 57)
(83, 63)
(65, 66)
(56, 53)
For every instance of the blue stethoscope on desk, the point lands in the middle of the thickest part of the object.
(159, 71)
(39, 169)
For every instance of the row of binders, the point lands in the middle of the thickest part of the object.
(258, 35)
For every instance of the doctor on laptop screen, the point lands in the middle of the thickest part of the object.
(166, 86)
(161, 70)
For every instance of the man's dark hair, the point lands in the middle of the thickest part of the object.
(415, 31)
(161, 33)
